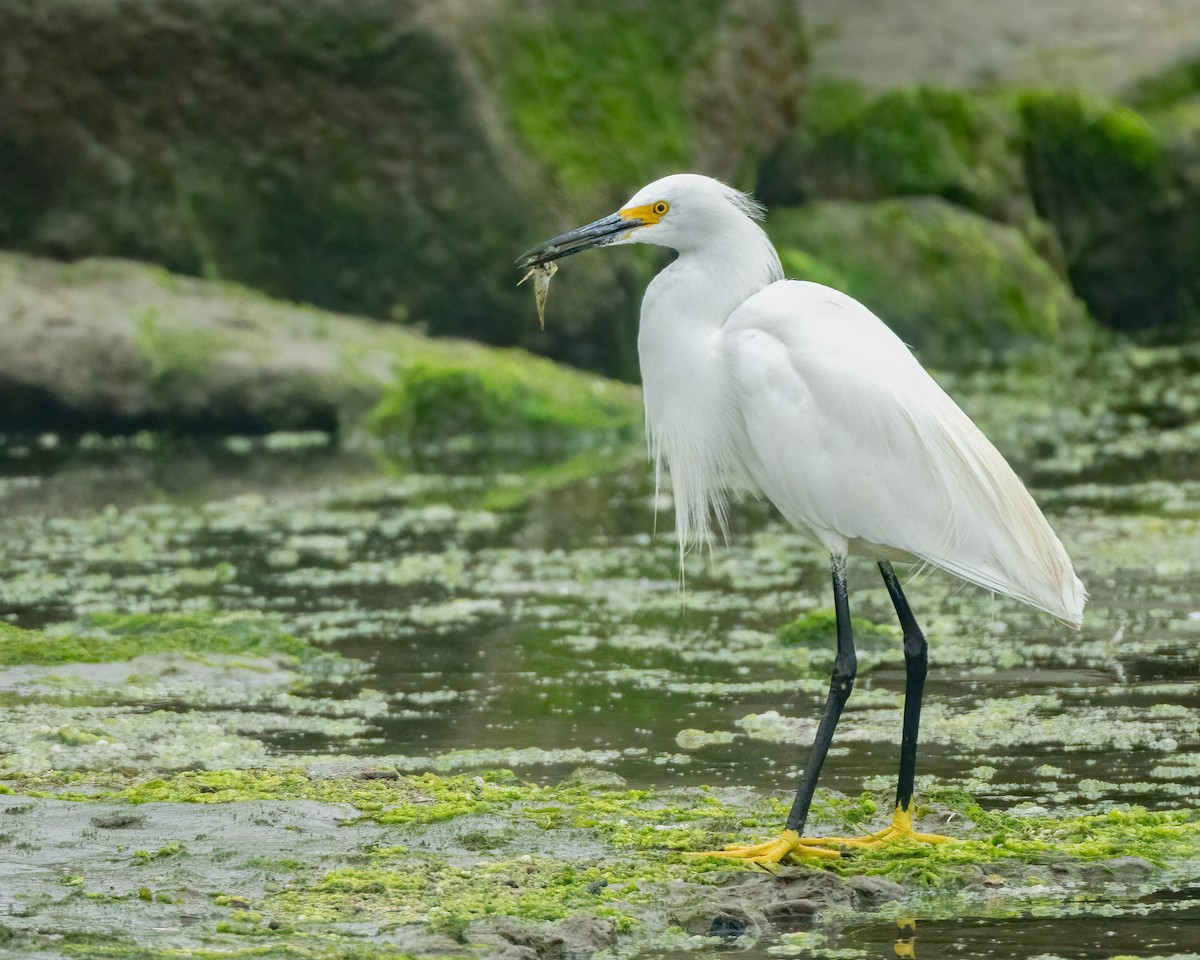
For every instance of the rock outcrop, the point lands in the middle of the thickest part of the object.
(118, 346)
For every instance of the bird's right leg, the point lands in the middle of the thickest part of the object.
(916, 662)
(845, 667)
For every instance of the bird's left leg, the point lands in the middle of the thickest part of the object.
(916, 662)
(845, 667)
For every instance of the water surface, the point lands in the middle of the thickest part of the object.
(517, 610)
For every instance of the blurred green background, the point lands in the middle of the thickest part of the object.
(991, 182)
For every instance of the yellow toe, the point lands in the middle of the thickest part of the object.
(901, 829)
(787, 844)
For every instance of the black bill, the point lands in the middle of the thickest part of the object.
(584, 238)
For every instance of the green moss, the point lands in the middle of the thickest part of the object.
(103, 637)
(1178, 83)
(949, 282)
(173, 849)
(818, 628)
(176, 356)
(655, 822)
(407, 800)
(448, 897)
(436, 396)
(627, 865)
(1097, 188)
(1107, 180)
(88, 946)
(1099, 143)
(920, 141)
(1168, 840)
(598, 92)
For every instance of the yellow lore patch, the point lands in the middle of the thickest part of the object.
(649, 213)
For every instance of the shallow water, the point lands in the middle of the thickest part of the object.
(1170, 929)
(517, 612)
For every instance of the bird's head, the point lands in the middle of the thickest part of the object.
(677, 211)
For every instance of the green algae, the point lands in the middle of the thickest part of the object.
(1100, 173)
(1032, 847)
(629, 818)
(923, 141)
(103, 637)
(1179, 83)
(94, 947)
(493, 847)
(553, 630)
(177, 357)
(815, 630)
(664, 821)
(1098, 139)
(994, 292)
(578, 77)
(486, 394)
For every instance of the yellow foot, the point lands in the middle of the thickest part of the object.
(901, 829)
(787, 844)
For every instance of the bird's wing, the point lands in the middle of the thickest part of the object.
(848, 435)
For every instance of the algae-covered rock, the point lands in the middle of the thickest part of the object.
(922, 141)
(613, 95)
(1125, 202)
(387, 157)
(112, 345)
(949, 282)
(338, 153)
(1108, 193)
(1179, 83)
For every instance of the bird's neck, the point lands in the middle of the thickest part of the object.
(698, 291)
(684, 377)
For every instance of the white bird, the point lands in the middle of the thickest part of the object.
(804, 393)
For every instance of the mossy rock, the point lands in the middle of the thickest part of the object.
(581, 80)
(949, 282)
(381, 157)
(1125, 202)
(611, 96)
(136, 347)
(1175, 85)
(508, 392)
(560, 870)
(922, 141)
(331, 153)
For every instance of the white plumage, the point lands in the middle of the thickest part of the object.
(805, 393)
(891, 468)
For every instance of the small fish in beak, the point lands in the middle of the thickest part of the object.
(541, 273)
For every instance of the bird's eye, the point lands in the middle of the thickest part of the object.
(661, 207)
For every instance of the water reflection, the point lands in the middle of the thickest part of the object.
(906, 942)
(1094, 934)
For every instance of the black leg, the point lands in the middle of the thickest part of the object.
(916, 662)
(845, 666)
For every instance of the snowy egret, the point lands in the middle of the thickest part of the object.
(804, 393)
